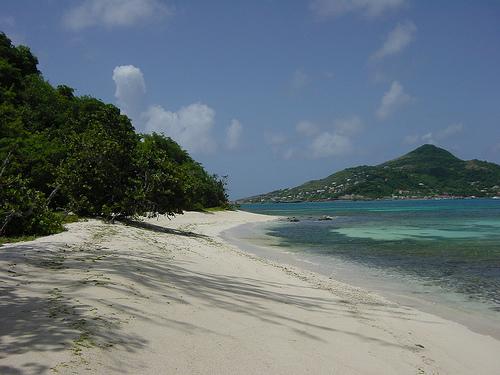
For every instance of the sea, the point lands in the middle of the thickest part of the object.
(440, 256)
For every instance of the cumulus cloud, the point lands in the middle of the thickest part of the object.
(428, 138)
(289, 153)
(114, 13)
(411, 139)
(392, 100)
(316, 143)
(369, 8)
(190, 126)
(275, 139)
(307, 128)
(299, 80)
(279, 144)
(397, 40)
(7, 21)
(450, 131)
(337, 142)
(329, 75)
(233, 134)
(435, 137)
(349, 126)
(330, 144)
(8, 25)
(130, 89)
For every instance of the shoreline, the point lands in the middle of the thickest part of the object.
(463, 312)
(172, 296)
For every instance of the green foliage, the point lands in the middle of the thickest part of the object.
(24, 210)
(11, 239)
(67, 218)
(170, 180)
(95, 175)
(428, 171)
(160, 187)
(61, 152)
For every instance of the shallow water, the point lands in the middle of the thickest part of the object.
(447, 251)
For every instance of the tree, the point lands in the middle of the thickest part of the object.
(24, 210)
(96, 176)
(65, 152)
(160, 180)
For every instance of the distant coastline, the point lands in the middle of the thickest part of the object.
(370, 199)
(428, 172)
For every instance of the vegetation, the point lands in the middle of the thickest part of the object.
(426, 172)
(63, 153)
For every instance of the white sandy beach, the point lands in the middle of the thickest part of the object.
(174, 298)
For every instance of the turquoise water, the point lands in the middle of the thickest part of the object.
(448, 244)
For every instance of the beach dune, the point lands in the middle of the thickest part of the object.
(170, 296)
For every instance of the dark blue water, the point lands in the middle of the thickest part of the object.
(453, 244)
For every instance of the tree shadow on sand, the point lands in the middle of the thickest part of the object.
(54, 322)
(249, 296)
(160, 229)
(38, 315)
(27, 368)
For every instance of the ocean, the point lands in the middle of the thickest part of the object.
(439, 255)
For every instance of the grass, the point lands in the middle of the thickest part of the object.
(65, 219)
(219, 208)
(4, 240)
(69, 218)
(104, 232)
(84, 339)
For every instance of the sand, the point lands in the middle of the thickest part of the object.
(174, 298)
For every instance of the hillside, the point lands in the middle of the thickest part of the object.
(62, 153)
(427, 171)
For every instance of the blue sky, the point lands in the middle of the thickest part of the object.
(274, 93)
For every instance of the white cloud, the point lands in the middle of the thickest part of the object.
(392, 100)
(330, 144)
(411, 139)
(435, 137)
(369, 8)
(190, 126)
(279, 143)
(299, 80)
(130, 88)
(337, 142)
(7, 21)
(233, 134)
(428, 138)
(17, 39)
(275, 139)
(289, 153)
(317, 143)
(349, 127)
(8, 26)
(114, 13)
(450, 131)
(307, 128)
(397, 40)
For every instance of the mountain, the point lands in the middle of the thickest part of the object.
(427, 171)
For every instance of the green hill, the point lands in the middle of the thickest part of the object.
(427, 171)
(62, 153)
